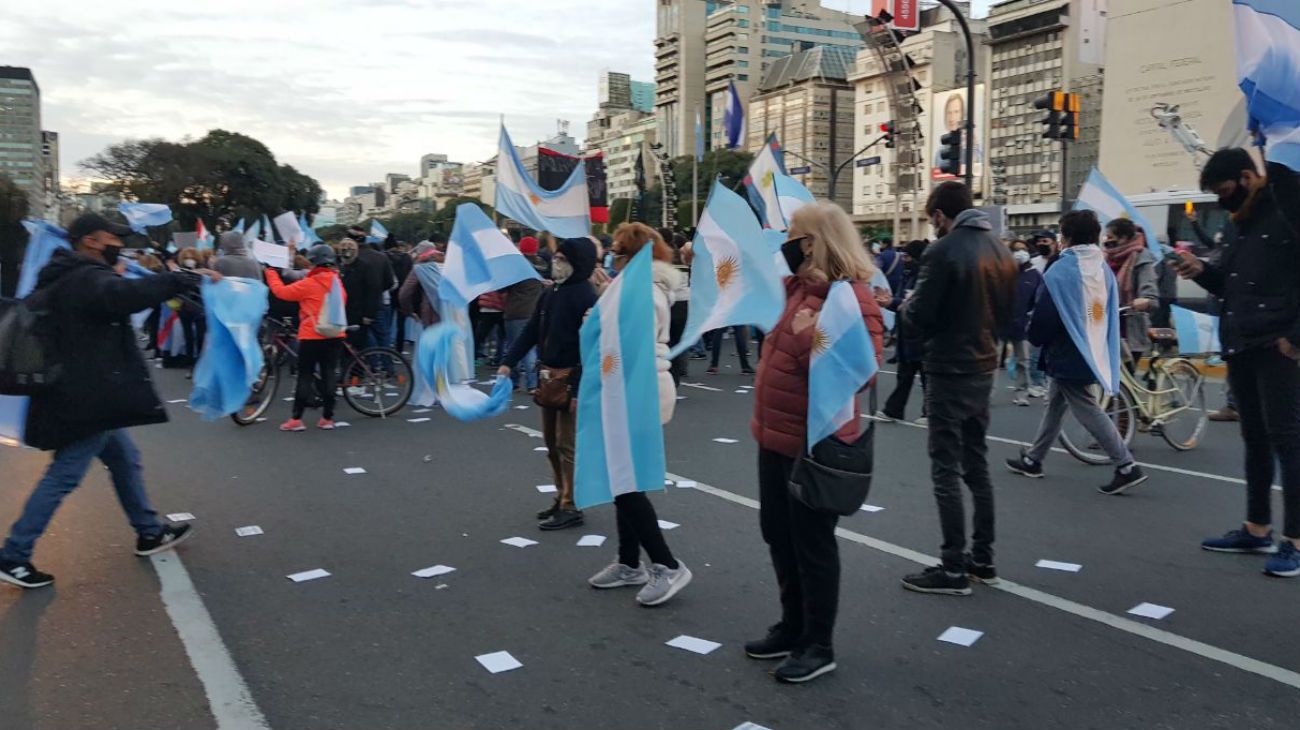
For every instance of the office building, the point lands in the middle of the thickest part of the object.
(432, 162)
(21, 143)
(618, 91)
(622, 137)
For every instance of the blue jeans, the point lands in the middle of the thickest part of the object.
(527, 367)
(381, 330)
(65, 473)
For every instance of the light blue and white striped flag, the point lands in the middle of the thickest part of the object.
(1268, 64)
(791, 195)
(733, 276)
(377, 232)
(308, 232)
(231, 360)
(43, 239)
(142, 215)
(253, 232)
(436, 356)
(760, 183)
(239, 226)
(880, 281)
(620, 442)
(1084, 292)
(1198, 334)
(843, 360)
(565, 212)
(480, 258)
(1102, 198)
(268, 230)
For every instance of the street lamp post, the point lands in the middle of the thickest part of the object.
(833, 173)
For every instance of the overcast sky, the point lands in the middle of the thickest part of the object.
(345, 90)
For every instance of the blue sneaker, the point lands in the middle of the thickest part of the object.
(1240, 541)
(1286, 564)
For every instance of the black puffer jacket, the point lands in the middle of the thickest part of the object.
(366, 279)
(964, 296)
(554, 326)
(105, 383)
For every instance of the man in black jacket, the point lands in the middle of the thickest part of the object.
(102, 390)
(367, 278)
(1257, 275)
(964, 294)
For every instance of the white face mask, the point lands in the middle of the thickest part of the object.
(561, 270)
(1021, 257)
(189, 263)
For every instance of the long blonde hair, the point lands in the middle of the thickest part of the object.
(837, 253)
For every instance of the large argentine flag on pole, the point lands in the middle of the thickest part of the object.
(1198, 334)
(479, 258)
(1083, 289)
(1099, 196)
(733, 276)
(565, 212)
(843, 360)
(733, 118)
(620, 442)
(1268, 66)
(760, 183)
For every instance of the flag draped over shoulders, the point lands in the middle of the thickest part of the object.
(843, 360)
(1084, 292)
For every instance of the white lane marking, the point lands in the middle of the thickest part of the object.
(228, 697)
(702, 386)
(1191, 646)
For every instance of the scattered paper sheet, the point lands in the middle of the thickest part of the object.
(749, 726)
(871, 508)
(418, 420)
(960, 636)
(591, 541)
(541, 448)
(681, 397)
(1150, 610)
(248, 531)
(668, 482)
(288, 400)
(690, 643)
(1055, 565)
(726, 441)
(354, 470)
(261, 420)
(341, 424)
(519, 542)
(180, 517)
(433, 571)
(546, 488)
(309, 575)
(499, 661)
(521, 408)
(685, 483)
(422, 410)
(179, 400)
(742, 392)
(666, 525)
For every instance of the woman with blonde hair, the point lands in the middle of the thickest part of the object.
(822, 248)
(638, 524)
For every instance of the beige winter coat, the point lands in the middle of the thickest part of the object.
(667, 280)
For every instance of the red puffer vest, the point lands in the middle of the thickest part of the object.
(781, 407)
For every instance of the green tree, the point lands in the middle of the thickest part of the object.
(13, 237)
(411, 227)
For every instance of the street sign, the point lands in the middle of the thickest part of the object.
(867, 162)
(801, 170)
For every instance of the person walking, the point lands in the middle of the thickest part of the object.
(104, 389)
(1061, 329)
(521, 300)
(964, 296)
(910, 347)
(318, 355)
(1030, 280)
(822, 248)
(553, 330)
(638, 524)
(1255, 276)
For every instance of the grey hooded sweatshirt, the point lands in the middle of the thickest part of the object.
(235, 260)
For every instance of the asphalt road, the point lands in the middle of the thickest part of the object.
(372, 647)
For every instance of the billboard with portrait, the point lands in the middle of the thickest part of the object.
(948, 113)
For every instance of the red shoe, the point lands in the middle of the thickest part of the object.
(325, 424)
(293, 424)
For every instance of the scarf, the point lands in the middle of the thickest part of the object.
(1122, 259)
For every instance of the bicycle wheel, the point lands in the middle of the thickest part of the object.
(263, 393)
(1180, 404)
(1122, 412)
(378, 382)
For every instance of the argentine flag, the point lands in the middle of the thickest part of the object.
(565, 213)
(1099, 196)
(760, 183)
(435, 358)
(253, 232)
(239, 226)
(1084, 291)
(880, 281)
(1268, 64)
(733, 276)
(480, 259)
(843, 360)
(377, 232)
(142, 215)
(231, 360)
(1198, 334)
(171, 334)
(309, 234)
(791, 195)
(620, 442)
(268, 229)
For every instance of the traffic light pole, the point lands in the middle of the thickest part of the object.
(1065, 175)
(833, 172)
(970, 92)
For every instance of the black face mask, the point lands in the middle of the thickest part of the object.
(110, 254)
(1233, 202)
(1045, 251)
(793, 253)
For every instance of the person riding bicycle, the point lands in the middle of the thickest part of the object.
(318, 354)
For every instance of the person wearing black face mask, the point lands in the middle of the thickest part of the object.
(1256, 272)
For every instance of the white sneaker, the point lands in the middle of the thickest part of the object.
(617, 575)
(664, 584)
(1037, 391)
(1021, 401)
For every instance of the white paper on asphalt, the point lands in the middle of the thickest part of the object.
(180, 517)
(961, 637)
(354, 470)
(591, 541)
(726, 441)
(248, 531)
(308, 575)
(691, 643)
(498, 661)
(418, 420)
(546, 488)
(1056, 565)
(871, 508)
(1151, 610)
(666, 525)
(433, 571)
(519, 542)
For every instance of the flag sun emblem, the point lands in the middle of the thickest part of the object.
(820, 340)
(1096, 311)
(608, 364)
(534, 199)
(726, 272)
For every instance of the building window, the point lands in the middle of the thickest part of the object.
(742, 49)
(742, 77)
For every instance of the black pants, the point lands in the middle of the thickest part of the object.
(958, 407)
(638, 527)
(896, 405)
(805, 555)
(676, 326)
(1266, 386)
(741, 333)
(491, 323)
(317, 358)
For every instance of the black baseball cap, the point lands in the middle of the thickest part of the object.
(90, 223)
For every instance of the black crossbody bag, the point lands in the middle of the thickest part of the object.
(836, 476)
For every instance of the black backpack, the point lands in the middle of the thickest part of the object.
(26, 363)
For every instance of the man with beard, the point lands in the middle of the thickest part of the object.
(1255, 273)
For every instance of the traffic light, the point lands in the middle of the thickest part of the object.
(887, 129)
(1062, 120)
(1070, 120)
(950, 153)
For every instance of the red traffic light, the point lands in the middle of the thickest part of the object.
(887, 127)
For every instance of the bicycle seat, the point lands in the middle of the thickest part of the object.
(1163, 335)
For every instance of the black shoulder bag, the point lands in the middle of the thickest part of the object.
(836, 476)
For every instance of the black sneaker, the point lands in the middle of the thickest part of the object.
(778, 644)
(806, 665)
(1025, 466)
(170, 537)
(937, 580)
(747, 370)
(24, 575)
(1124, 482)
(549, 512)
(561, 519)
(980, 573)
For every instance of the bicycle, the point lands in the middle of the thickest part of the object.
(375, 381)
(1168, 401)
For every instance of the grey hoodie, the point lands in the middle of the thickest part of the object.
(234, 259)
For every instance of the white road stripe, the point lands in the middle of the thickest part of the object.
(1182, 643)
(702, 386)
(228, 696)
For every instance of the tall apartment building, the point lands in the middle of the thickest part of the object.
(806, 99)
(1038, 46)
(21, 144)
(431, 162)
(618, 91)
(701, 45)
(622, 137)
(936, 56)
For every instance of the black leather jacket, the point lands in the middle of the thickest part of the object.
(964, 296)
